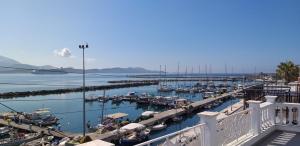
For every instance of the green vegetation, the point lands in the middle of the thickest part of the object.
(287, 71)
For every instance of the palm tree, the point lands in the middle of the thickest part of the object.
(287, 71)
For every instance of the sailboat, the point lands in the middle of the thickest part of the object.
(164, 87)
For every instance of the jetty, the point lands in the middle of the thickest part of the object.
(79, 89)
(165, 115)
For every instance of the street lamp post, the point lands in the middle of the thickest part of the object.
(83, 46)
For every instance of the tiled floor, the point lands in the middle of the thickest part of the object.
(280, 138)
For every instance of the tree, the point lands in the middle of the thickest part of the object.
(287, 71)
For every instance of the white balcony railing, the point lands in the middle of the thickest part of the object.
(287, 114)
(237, 129)
(234, 127)
(193, 136)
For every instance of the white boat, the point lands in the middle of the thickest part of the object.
(159, 127)
(208, 95)
(4, 131)
(147, 114)
(41, 117)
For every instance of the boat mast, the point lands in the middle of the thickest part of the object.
(102, 111)
(177, 82)
(159, 77)
(165, 76)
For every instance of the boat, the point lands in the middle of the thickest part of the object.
(159, 127)
(148, 114)
(117, 99)
(131, 96)
(144, 99)
(102, 98)
(177, 119)
(182, 90)
(40, 117)
(134, 133)
(20, 139)
(181, 102)
(4, 131)
(165, 89)
(208, 95)
(91, 98)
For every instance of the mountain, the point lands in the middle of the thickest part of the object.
(111, 70)
(8, 65)
(7, 61)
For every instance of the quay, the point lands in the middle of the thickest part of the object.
(165, 115)
(79, 89)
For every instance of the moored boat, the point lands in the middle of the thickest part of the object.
(159, 127)
(40, 117)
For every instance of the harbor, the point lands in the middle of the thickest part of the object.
(165, 105)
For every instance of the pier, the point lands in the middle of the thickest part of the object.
(79, 89)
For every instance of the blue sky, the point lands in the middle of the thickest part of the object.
(243, 34)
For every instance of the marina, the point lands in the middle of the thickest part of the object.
(159, 117)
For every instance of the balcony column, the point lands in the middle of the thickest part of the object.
(210, 130)
(256, 116)
(272, 99)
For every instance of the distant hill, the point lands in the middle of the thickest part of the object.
(14, 66)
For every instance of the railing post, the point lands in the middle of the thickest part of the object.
(256, 116)
(210, 130)
(272, 99)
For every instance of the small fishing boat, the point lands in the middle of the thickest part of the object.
(159, 127)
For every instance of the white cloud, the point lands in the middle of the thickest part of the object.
(65, 52)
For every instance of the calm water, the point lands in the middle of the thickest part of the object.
(68, 107)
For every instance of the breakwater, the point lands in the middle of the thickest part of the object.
(175, 80)
(79, 89)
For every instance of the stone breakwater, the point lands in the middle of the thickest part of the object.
(79, 89)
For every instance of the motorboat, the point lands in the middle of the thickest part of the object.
(159, 127)
(148, 114)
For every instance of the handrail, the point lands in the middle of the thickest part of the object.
(169, 135)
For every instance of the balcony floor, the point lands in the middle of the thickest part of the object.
(280, 138)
